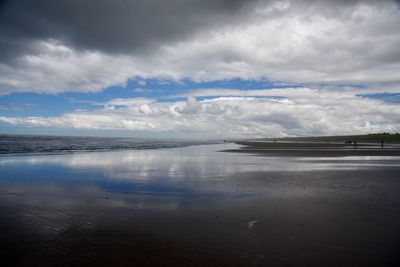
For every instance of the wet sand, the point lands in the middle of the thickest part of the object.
(315, 149)
(198, 207)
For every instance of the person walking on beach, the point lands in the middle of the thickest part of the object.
(382, 143)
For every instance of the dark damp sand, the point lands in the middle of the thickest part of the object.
(299, 219)
(274, 218)
(314, 149)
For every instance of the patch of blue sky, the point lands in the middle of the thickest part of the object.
(162, 90)
(340, 85)
(33, 104)
(47, 105)
(386, 97)
(201, 98)
(39, 104)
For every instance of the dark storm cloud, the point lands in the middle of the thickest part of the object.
(113, 26)
(124, 26)
(56, 46)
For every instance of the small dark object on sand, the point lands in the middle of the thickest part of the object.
(348, 142)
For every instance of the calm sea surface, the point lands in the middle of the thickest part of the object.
(28, 144)
(194, 205)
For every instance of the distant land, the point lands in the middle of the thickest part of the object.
(323, 146)
(375, 137)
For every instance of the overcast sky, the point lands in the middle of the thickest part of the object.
(199, 68)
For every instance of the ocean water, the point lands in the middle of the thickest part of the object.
(197, 206)
(50, 144)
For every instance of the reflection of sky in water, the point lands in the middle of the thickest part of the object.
(178, 171)
(119, 198)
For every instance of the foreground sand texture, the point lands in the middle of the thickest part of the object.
(196, 206)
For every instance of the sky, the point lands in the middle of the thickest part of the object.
(199, 68)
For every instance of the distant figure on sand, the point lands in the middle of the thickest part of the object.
(355, 143)
(382, 143)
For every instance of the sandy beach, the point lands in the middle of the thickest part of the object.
(315, 149)
(198, 206)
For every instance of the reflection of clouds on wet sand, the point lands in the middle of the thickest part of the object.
(182, 162)
(195, 202)
(191, 161)
(180, 171)
(51, 195)
(51, 209)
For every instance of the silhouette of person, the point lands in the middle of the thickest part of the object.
(382, 143)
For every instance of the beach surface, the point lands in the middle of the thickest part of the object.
(202, 206)
(316, 149)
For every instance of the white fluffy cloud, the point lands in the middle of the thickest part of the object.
(299, 111)
(292, 41)
(58, 68)
(358, 46)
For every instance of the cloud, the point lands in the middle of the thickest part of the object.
(298, 111)
(86, 46)
(303, 45)
(113, 26)
(58, 68)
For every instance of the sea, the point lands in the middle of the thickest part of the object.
(27, 144)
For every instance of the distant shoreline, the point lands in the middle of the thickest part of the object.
(368, 138)
(314, 149)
